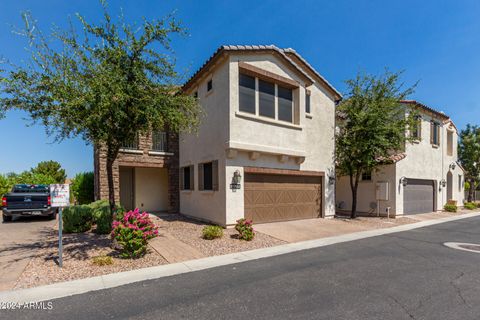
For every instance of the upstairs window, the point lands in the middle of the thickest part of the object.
(417, 128)
(435, 133)
(307, 101)
(266, 99)
(285, 104)
(209, 85)
(449, 143)
(247, 94)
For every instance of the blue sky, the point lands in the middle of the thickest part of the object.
(436, 42)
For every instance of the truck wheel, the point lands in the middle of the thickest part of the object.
(52, 216)
(6, 218)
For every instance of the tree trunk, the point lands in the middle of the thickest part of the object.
(111, 157)
(354, 187)
(471, 191)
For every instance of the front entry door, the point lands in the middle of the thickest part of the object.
(126, 187)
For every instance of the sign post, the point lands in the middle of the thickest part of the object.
(60, 198)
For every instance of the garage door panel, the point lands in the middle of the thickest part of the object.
(271, 198)
(419, 196)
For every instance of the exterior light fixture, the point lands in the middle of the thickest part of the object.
(443, 183)
(236, 181)
(404, 181)
(452, 166)
(331, 180)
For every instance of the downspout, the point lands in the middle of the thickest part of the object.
(337, 102)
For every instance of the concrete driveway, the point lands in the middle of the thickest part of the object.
(310, 229)
(19, 242)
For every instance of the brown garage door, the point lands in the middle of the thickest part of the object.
(271, 198)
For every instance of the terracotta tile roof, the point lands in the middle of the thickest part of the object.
(425, 107)
(283, 53)
(394, 158)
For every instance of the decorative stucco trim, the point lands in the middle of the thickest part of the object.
(268, 120)
(266, 75)
(264, 149)
(262, 170)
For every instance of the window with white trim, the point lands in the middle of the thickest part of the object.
(265, 98)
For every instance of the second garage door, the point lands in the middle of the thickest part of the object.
(418, 196)
(270, 198)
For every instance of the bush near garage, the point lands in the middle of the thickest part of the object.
(212, 232)
(470, 206)
(132, 233)
(245, 229)
(450, 208)
(77, 219)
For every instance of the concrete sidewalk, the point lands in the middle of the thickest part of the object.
(311, 229)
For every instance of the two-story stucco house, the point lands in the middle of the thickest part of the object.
(422, 178)
(265, 149)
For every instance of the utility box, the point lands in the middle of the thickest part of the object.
(382, 191)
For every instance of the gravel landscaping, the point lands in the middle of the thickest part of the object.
(190, 232)
(79, 249)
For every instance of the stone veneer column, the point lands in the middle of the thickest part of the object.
(173, 173)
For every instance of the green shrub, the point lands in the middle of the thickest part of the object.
(102, 216)
(83, 188)
(470, 206)
(77, 219)
(133, 232)
(102, 261)
(212, 232)
(450, 208)
(245, 229)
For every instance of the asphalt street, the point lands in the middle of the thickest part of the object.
(407, 275)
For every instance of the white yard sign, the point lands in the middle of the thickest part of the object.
(60, 195)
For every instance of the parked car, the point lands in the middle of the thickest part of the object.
(28, 200)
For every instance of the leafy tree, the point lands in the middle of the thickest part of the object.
(51, 168)
(469, 157)
(83, 188)
(28, 177)
(106, 84)
(373, 126)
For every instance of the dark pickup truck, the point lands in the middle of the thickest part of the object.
(27, 200)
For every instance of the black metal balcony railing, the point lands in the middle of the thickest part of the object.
(131, 145)
(159, 141)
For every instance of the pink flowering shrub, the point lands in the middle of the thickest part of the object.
(245, 229)
(132, 233)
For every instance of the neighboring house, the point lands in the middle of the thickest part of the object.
(265, 149)
(145, 173)
(420, 179)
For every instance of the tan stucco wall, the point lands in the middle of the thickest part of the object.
(423, 161)
(151, 189)
(366, 201)
(207, 145)
(312, 138)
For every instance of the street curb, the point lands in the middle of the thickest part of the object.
(65, 289)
